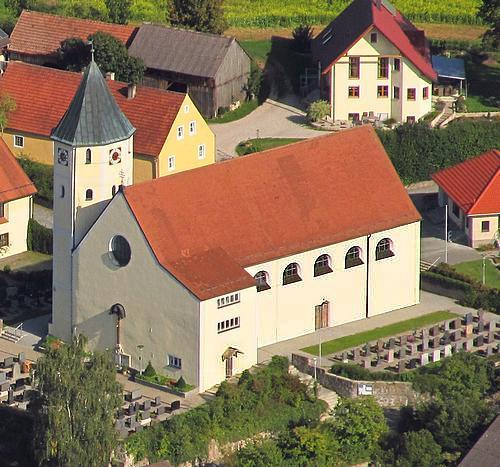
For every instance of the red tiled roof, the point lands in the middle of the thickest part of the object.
(269, 205)
(14, 183)
(41, 33)
(43, 94)
(474, 184)
(357, 19)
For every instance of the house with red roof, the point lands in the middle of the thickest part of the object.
(301, 237)
(471, 190)
(171, 134)
(374, 64)
(16, 204)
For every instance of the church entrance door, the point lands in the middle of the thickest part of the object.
(321, 315)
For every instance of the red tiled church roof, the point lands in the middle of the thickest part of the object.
(14, 183)
(361, 16)
(43, 94)
(38, 33)
(205, 225)
(474, 184)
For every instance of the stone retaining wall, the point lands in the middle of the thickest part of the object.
(386, 393)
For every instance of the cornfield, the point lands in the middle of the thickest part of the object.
(289, 13)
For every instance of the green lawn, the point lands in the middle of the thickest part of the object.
(258, 50)
(261, 144)
(242, 111)
(354, 340)
(484, 90)
(474, 269)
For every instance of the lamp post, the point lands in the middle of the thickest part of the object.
(315, 361)
(446, 233)
(140, 347)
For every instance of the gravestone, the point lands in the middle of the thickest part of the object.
(468, 318)
(480, 341)
(413, 349)
(402, 352)
(424, 359)
(161, 410)
(392, 343)
(345, 357)
(175, 405)
(10, 397)
(489, 350)
(457, 346)
(368, 350)
(425, 343)
(157, 401)
(356, 354)
(456, 335)
(135, 395)
(469, 345)
(390, 355)
(434, 331)
(367, 363)
(3, 376)
(447, 350)
(447, 325)
(480, 315)
(131, 409)
(480, 326)
(468, 330)
(413, 363)
(490, 337)
(20, 357)
(8, 361)
(380, 345)
(403, 340)
(425, 333)
(401, 366)
(435, 342)
(146, 405)
(456, 323)
(4, 386)
(145, 415)
(16, 371)
(436, 355)
(446, 338)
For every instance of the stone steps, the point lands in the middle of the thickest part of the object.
(10, 336)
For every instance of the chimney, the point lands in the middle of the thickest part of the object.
(131, 91)
(378, 3)
(110, 76)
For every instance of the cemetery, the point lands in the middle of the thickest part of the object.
(390, 359)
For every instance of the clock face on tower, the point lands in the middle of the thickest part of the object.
(62, 156)
(115, 156)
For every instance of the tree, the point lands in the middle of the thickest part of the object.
(264, 454)
(489, 12)
(358, 425)
(75, 406)
(302, 37)
(7, 105)
(109, 53)
(118, 10)
(91, 9)
(200, 15)
(419, 448)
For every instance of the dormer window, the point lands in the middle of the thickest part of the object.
(373, 37)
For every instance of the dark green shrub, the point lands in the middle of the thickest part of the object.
(149, 371)
(181, 383)
(318, 110)
(41, 175)
(39, 238)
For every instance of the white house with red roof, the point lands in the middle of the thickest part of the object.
(16, 204)
(471, 190)
(374, 64)
(305, 236)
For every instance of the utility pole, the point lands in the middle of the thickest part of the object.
(446, 233)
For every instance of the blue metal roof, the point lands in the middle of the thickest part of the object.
(448, 67)
(93, 117)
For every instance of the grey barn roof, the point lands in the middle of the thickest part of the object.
(179, 50)
(486, 451)
(93, 116)
(448, 67)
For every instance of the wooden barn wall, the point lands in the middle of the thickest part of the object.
(232, 76)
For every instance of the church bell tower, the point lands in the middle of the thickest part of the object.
(93, 157)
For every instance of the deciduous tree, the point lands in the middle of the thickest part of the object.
(77, 399)
(118, 10)
(7, 105)
(200, 15)
(489, 12)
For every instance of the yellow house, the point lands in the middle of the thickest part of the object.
(375, 64)
(471, 190)
(171, 135)
(16, 191)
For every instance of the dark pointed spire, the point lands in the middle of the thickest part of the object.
(93, 117)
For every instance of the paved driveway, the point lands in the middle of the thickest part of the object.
(270, 120)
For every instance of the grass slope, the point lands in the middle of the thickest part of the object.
(346, 342)
(261, 144)
(474, 269)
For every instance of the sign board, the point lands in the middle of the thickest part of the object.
(365, 389)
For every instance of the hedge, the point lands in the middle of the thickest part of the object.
(418, 151)
(39, 237)
(446, 282)
(41, 175)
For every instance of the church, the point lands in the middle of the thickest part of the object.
(197, 270)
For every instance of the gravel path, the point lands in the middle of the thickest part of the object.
(43, 215)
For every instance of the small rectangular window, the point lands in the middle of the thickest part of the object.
(456, 210)
(397, 64)
(192, 127)
(174, 362)
(425, 92)
(411, 94)
(410, 119)
(18, 141)
(186, 108)
(354, 67)
(171, 163)
(382, 91)
(485, 226)
(383, 67)
(4, 240)
(201, 151)
(353, 91)
(228, 324)
(373, 37)
(2, 209)
(396, 92)
(180, 132)
(228, 300)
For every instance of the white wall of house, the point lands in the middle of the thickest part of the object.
(14, 226)
(369, 100)
(161, 314)
(483, 230)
